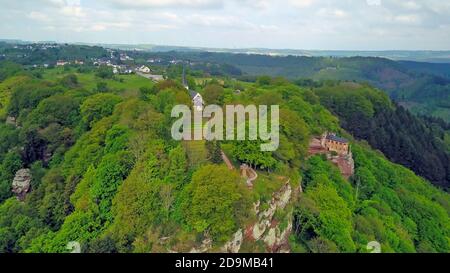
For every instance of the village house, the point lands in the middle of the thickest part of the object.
(61, 63)
(144, 69)
(124, 57)
(102, 61)
(122, 69)
(154, 61)
(197, 100)
(125, 70)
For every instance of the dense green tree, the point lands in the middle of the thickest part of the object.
(61, 109)
(177, 166)
(52, 207)
(8, 138)
(105, 72)
(102, 87)
(216, 202)
(250, 152)
(111, 172)
(16, 220)
(213, 94)
(98, 106)
(214, 151)
(117, 139)
(9, 166)
(70, 81)
(264, 80)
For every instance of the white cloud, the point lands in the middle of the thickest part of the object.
(167, 3)
(73, 11)
(302, 3)
(373, 2)
(38, 16)
(332, 13)
(331, 24)
(410, 19)
(411, 5)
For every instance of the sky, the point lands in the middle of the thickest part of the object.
(277, 24)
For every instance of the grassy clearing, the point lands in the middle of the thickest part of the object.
(89, 81)
(196, 151)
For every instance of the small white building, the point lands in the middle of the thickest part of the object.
(61, 63)
(144, 69)
(197, 100)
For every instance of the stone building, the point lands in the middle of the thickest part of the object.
(336, 144)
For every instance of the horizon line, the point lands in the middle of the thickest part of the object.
(218, 48)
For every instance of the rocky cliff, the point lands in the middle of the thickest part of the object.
(21, 183)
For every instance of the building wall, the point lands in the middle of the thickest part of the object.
(339, 147)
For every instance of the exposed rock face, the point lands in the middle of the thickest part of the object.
(266, 229)
(249, 173)
(11, 121)
(234, 244)
(345, 163)
(21, 183)
(276, 240)
(205, 247)
(259, 228)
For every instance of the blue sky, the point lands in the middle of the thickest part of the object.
(296, 24)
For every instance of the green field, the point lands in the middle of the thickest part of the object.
(89, 80)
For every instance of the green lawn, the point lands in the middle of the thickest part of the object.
(89, 80)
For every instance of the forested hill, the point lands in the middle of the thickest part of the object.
(423, 88)
(418, 143)
(105, 172)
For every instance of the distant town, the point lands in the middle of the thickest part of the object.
(118, 60)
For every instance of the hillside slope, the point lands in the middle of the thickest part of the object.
(423, 88)
(106, 173)
(414, 142)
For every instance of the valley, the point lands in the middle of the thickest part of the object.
(105, 172)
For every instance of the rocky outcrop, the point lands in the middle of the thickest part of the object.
(345, 163)
(234, 245)
(204, 247)
(277, 240)
(11, 121)
(248, 173)
(21, 183)
(266, 228)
